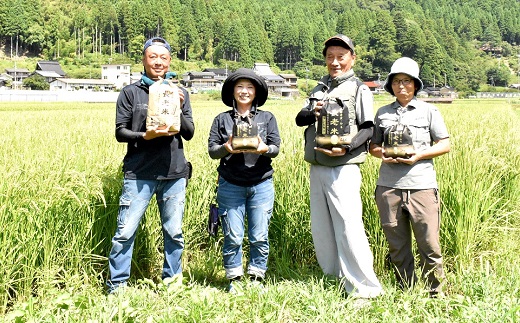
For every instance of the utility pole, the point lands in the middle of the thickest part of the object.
(518, 69)
(306, 78)
(15, 68)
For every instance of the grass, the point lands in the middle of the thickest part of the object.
(59, 188)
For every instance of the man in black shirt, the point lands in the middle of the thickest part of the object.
(154, 164)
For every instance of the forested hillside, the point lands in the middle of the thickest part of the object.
(445, 37)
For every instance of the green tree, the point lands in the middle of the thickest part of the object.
(136, 47)
(492, 35)
(14, 21)
(498, 75)
(187, 33)
(36, 82)
(355, 23)
(382, 43)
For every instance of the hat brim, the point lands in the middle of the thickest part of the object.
(261, 90)
(388, 83)
(338, 40)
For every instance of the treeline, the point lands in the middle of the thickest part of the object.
(444, 36)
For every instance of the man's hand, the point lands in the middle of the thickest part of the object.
(334, 152)
(410, 160)
(155, 132)
(317, 109)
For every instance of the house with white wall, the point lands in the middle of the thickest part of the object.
(66, 84)
(118, 74)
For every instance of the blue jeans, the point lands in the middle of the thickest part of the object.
(134, 200)
(234, 203)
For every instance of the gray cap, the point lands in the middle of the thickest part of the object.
(244, 73)
(339, 40)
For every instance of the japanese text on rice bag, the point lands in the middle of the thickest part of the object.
(245, 135)
(164, 106)
(398, 141)
(333, 128)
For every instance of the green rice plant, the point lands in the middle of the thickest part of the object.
(479, 178)
(60, 180)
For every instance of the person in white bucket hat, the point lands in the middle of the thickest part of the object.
(406, 66)
(407, 195)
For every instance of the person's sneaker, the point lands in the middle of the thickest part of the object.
(114, 289)
(435, 294)
(235, 287)
(258, 286)
(257, 283)
(360, 303)
(172, 283)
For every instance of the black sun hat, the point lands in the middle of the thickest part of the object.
(244, 73)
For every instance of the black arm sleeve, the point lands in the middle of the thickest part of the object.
(187, 128)
(364, 134)
(124, 134)
(305, 117)
(187, 125)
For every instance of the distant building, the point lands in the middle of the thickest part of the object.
(118, 74)
(422, 94)
(497, 95)
(448, 92)
(50, 66)
(443, 92)
(431, 91)
(221, 74)
(201, 80)
(65, 84)
(49, 76)
(291, 80)
(375, 87)
(17, 74)
(135, 76)
(277, 85)
(265, 71)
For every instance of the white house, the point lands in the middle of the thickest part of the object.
(65, 84)
(118, 74)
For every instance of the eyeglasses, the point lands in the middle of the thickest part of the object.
(403, 82)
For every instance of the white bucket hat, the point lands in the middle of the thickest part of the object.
(406, 66)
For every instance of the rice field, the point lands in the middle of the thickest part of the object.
(60, 180)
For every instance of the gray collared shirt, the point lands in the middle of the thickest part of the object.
(427, 126)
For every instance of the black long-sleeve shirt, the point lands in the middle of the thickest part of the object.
(158, 158)
(244, 169)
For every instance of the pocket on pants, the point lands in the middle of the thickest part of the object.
(222, 214)
(124, 206)
(387, 204)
